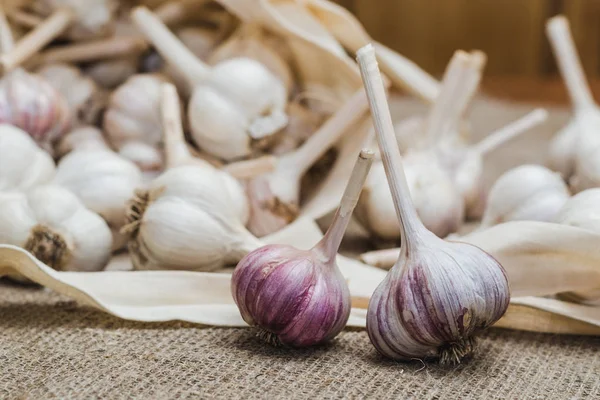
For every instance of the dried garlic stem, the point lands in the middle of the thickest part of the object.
(36, 39)
(7, 41)
(569, 62)
(170, 47)
(172, 12)
(330, 243)
(384, 259)
(25, 19)
(510, 131)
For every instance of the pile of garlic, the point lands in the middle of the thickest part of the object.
(182, 135)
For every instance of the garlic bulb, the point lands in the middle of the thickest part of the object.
(251, 40)
(23, 164)
(574, 152)
(53, 225)
(299, 297)
(236, 105)
(438, 203)
(111, 73)
(527, 192)
(81, 138)
(104, 182)
(132, 120)
(29, 102)
(275, 197)
(85, 99)
(439, 293)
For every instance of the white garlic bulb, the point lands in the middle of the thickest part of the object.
(132, 120)
(437, 201)
(81, 138)
(575, 150)
(582, 210)
(104, 181)
(23, 164)
(528, 192)
(85, 99)
(236, 105)
(51, 223)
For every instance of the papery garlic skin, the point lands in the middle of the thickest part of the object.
(529, 192)
(23, 164)
(29, 102)
(268, 296)
(133, 115)
(52, 223)
(189, 218)
(104, 182)
(432, 304)
(86, 100)
(93, 18)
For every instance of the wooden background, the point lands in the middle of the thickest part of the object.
(511, 32)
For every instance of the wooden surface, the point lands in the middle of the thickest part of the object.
(511, 32)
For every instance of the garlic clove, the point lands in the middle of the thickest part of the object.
(527, 192)
(438, 294)
(23, 164)
(52, 224)
(103, 181)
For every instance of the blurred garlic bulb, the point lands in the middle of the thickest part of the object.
(104, 181)
(582, 210)
(81, 138)
(29, 102)
(437, 201)
(252, 41)
(52, 224)
(85, 99)
(23, 164)
(575, 150)
(528, 192)
(87, 19)
(111, 73)
(132, 120)
(236, 106)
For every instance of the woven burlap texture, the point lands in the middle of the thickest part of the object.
(52, 348)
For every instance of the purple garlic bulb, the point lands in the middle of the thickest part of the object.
(439, 293)
(299, 297)
(28, 102)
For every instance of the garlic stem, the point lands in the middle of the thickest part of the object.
(410, 224)
(170, 47)
(301, 159)
(330, 243)
(177, 152)
(7, 41)
(510, 131)
(384, 259)
(94, 50)
(569, 63)
(25, 19)
(469, 88)
(37, 39)
(172, 12)
(444, 107)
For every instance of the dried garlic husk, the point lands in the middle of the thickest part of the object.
(439, 293)
(53, 225)
(236, 105)
(86, 100)
(23, 164)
